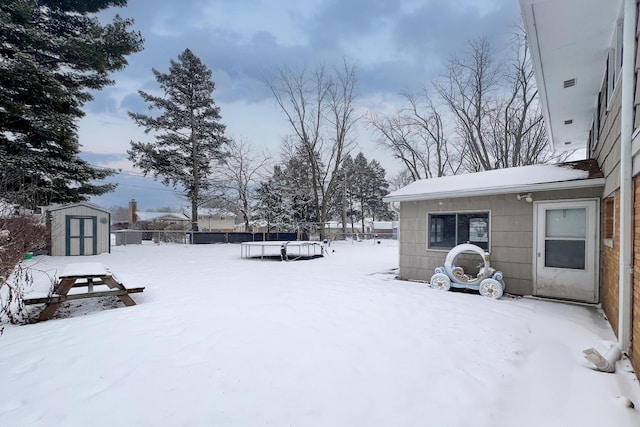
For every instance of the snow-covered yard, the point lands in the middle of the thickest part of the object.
(217, 340)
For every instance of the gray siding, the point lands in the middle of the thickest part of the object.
(511, 234)
(607, 150)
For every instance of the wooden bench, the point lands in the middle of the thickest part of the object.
(81, 275)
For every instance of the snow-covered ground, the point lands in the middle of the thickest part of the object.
(217, 340)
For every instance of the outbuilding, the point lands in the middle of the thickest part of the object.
(79, 229)
(539, 223)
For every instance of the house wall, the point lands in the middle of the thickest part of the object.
(634, 352)
(607, 152)
(511, 244)
(609, 273)
(607, 148)
(58, 228)
(216, 224)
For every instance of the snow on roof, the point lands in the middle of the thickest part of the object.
(584, 173)
(73, 205)
(151, 216)
(215, 212)
(383, 224)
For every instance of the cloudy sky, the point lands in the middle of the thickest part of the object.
(397, 45)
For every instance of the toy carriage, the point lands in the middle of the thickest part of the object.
(487, 281)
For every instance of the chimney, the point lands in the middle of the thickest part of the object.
(133, 208)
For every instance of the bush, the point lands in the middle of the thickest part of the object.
(18, 235)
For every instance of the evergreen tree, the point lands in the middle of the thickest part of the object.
(188, 134)
(342, 202)
(272, 204)
(367, 187)
(52, 53)
(298, 188)
(360, 184)
(378, 209)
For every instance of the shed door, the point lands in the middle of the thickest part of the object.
(566, 251)
(81, 235)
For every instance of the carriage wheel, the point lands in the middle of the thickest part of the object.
(441, 282)
(491, 288)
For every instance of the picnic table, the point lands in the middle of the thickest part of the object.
(84, 280)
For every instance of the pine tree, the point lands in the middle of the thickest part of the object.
(52, 53)
(188, 134)
(367, 185)
(379, 188)
(273, 206)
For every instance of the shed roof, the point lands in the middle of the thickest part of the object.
(73, 205)
(578, 174)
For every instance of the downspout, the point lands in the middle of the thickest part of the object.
(626, 172)
(395, 206)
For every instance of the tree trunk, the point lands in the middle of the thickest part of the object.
(196, 182)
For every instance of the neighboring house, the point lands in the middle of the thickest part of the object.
(178, 219)
(212, 219)
(385, 229)
(79, 229)
(146, 220)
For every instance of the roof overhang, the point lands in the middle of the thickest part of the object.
(522, 179)
(569, 39)
(506, 189)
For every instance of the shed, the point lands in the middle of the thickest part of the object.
(79, 229)
(540, 224)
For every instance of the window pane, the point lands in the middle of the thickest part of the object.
(474, 228)
(566, 223)
(442, 231)
(565, 254)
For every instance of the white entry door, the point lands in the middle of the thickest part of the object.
(566, 250)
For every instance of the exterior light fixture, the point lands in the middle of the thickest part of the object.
(527, 197)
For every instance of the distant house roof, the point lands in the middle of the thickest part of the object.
(216, 212)
(157, 216)
(209, 212)
(578, 174)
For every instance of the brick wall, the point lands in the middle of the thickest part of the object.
(634, 353)
(609, 272)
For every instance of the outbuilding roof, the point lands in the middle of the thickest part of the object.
(578, 174)
(73, 205)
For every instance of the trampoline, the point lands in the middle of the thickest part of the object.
(295, 250)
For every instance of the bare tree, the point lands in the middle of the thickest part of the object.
(400, 179)
(241, 172)
(468, 89)
(518, 126)
(497, 115)
(417, 137)
(320, 110)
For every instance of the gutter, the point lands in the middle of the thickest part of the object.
(626, 174)
(528, 188)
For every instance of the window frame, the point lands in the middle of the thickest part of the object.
(614, 64)
(486, 212)
(609, 217)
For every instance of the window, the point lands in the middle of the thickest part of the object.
(608, 218)
(595, 131)
(614, 62)
(447, 230)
